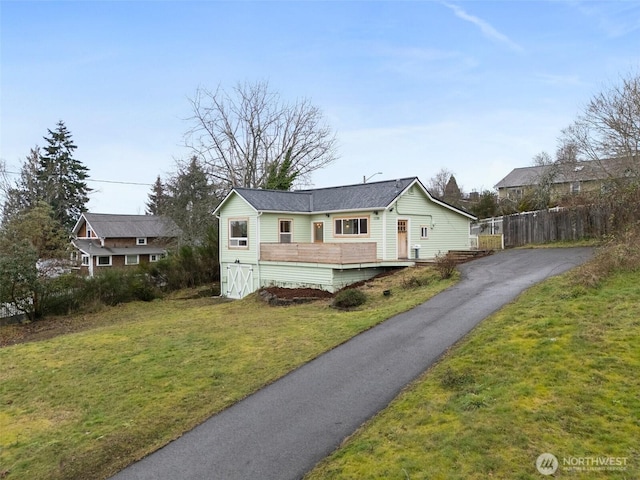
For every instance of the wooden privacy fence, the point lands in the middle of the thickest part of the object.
(564, 224)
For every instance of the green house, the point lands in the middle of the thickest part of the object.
(329, 238)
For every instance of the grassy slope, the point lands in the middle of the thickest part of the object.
(556, 371)
(86, 404)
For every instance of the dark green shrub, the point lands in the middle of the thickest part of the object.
(60, 295)
(349, 298)
(114, 286)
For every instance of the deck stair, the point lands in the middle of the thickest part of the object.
(462, 256)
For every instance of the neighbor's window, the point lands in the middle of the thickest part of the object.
(153, 257)
(424, 231)
(285, 231)
(104, 261)
(131, 259)
(141, 241)
(238, 233)
(352, 226)
(85, 260)
(89, 232)
(575, 187)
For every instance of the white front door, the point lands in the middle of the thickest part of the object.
(239, 280)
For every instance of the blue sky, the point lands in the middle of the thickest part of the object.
(409, 87)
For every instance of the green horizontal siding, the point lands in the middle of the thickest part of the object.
(270, 227)
(236, 208)
(344, 278)
(296, 276)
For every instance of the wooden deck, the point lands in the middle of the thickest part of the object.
(334, 253)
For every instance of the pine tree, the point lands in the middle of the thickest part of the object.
(157, 204)
(25, 193)
(190, 199)
(452, 193)
(61, 178)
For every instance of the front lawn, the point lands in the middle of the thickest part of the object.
(557, 371)
(84, 405)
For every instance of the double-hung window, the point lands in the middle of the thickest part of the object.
(104, 261)
(238, 233)
(352, 226)
(286, 235)
(131, 259)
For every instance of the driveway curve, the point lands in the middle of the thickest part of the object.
(283, 430)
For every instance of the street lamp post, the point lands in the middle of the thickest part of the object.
(365, 179)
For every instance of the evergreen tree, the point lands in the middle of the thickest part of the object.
(487, 205)
(61, 178)
(452, 193)
(157, 203)
(26, 192)
(190, 200)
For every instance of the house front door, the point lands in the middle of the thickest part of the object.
(318, 232)
(402, 239)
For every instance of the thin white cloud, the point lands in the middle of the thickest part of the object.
(486, 28)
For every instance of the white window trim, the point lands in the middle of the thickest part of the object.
(424, 232)
(143, 242)
(352, 235)
(238, 240)
(126, 259)
(575, 188)
(280, 232)
(153, 257)
(84, 261)
(98, 264)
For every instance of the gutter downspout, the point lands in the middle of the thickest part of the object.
(384, 235)
(258, 237)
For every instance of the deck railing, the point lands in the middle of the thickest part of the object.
(335, 253)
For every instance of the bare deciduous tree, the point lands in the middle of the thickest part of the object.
(438, 183)
(609, 127)
(242, 136)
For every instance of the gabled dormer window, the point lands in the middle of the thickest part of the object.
(141, 241)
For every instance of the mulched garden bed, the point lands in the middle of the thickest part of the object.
(279, 296)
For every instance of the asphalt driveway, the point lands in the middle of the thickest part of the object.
(283, 430)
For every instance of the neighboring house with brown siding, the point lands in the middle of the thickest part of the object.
(107, 240)
(565, 178)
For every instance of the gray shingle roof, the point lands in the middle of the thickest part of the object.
(569, 172)
(348, 197)
(93, 247)
(128, 226)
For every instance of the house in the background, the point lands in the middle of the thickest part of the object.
(569, 178)
(106, 241)
(328, 238)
